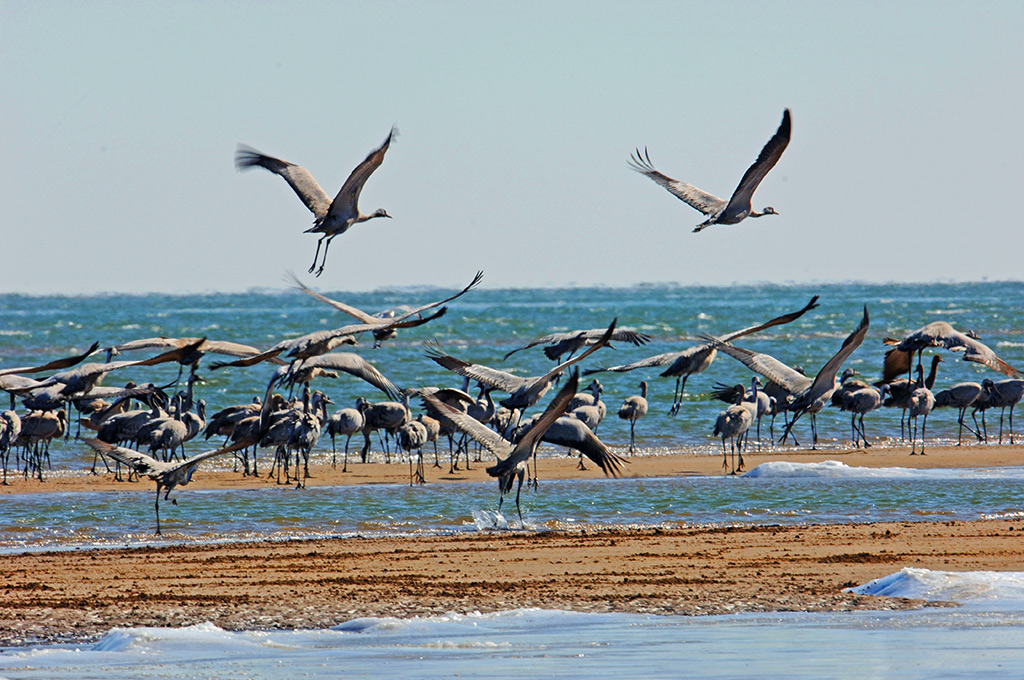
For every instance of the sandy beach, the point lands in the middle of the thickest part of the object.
(701, 570)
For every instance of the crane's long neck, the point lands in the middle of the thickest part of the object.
(377, 213)
(930, 380)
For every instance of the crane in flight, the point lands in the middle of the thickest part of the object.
(331, 217)
(738, 207)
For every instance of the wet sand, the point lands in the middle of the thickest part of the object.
(82, 594)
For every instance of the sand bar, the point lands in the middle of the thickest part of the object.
(558, 467)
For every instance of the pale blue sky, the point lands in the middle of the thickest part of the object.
(517, 119)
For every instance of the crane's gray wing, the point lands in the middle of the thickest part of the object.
(487, 437)
(448, 395)
(500, 380)
(298, 178)
(92, 369)
(375, 322)
(170, 355)
(340, 306)
(17, 383)
(136, 460)
(537, 387)
(148, 343)
(624, 335)
(199, 457)
(777, 321)
(232, 349)
(709, 204)
(559, 343)
(649, 362)
(345, 204)
(790, 379)
(549, 339)
(766, 160)
(422, 308)
(209, 346)
(602, 341)
(103, 392)
(583, 439)
(526, 445)
(56, 364)
(269, 355)
(355, 365)
(293, 344)
(827, 375)
(977, 351)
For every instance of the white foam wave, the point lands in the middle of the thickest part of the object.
(120, 639)
(1003, 590)
(489, 520)
(828, 468)
(836, 469)
(452, 623)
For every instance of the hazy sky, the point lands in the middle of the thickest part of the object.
(120, 122)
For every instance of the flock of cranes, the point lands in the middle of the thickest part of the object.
(293, 425)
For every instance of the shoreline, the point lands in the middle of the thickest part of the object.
(79, 595)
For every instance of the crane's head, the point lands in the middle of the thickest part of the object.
(769, 211)
(380, 212)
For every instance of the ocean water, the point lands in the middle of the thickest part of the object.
(979, 638)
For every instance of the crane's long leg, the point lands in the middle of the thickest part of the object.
(158, 509)
(521, 474)
(327, 244)
(317, 256)
(913, 436)
(863, 435)
(1011, 424)
(924, 424)
(677, 398)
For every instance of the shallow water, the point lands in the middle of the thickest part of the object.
(773, 493)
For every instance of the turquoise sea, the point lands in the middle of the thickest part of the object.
(979, 639)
